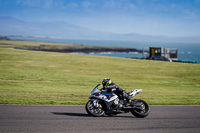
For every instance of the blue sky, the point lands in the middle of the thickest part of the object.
(150, 17)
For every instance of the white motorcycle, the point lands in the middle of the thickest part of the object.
(102, 102)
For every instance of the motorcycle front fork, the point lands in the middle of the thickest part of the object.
(95, 103)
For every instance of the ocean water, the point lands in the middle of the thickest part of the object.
(186, 51)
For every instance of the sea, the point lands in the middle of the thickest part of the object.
(186, 51)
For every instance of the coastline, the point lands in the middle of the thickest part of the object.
(101, 48)
(82, 50)
(67, 48)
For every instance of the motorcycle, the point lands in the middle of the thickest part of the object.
(102, 102)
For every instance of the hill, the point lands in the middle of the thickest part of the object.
(61, 29)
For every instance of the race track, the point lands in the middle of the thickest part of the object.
(74, 119)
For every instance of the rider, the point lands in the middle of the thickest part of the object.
(110, 86)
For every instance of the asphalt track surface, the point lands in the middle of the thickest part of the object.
(74, 119)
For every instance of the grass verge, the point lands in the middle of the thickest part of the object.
(33, 77)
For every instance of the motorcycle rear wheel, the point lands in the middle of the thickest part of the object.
(94, 111)
(143, 112)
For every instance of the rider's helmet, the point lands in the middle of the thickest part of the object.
(106, 81)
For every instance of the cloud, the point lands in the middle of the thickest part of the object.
(48, 3)
(197, 2)
(30, 3)
(37, 3)
(87, 4)
(121, 4)
(72, 5)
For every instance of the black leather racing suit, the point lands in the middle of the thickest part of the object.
(120, 92)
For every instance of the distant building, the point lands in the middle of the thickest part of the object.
(165, 54)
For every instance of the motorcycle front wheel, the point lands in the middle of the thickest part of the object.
(142, 109)
(93, 110)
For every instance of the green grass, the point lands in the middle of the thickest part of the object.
(33, 77)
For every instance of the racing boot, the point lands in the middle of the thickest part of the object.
(127, 97)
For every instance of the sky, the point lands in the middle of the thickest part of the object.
(148, 17)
